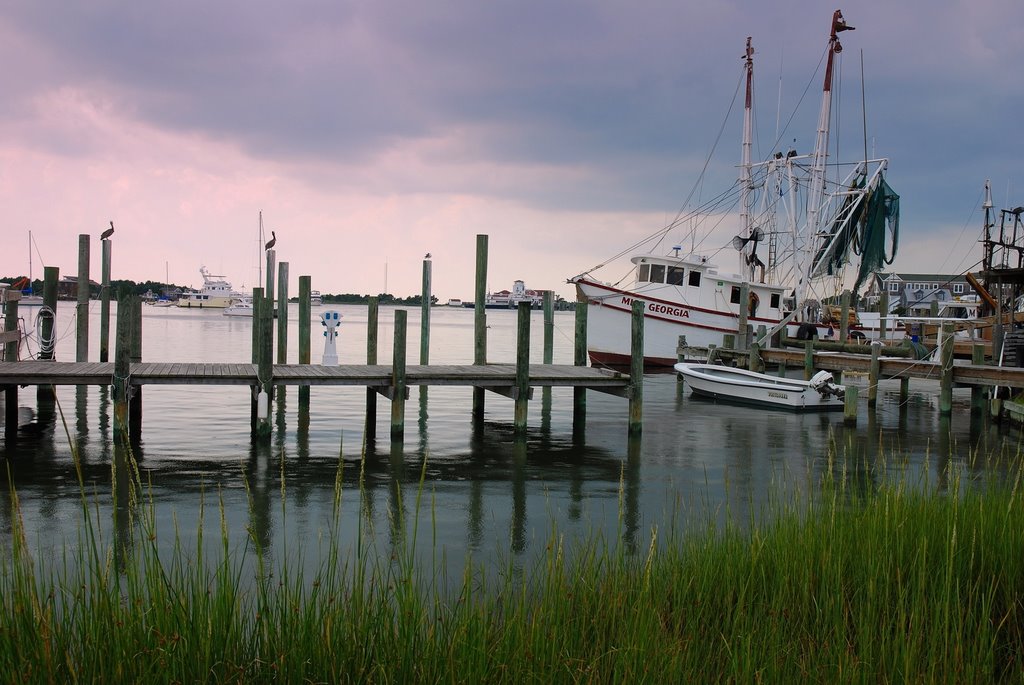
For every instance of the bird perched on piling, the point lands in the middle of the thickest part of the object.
(426, 256)
(271, 242)
(107, 233)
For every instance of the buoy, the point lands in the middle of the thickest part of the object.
(262, 405)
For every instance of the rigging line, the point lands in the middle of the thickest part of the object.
(700, 211)
(977, 203)
(707, 160)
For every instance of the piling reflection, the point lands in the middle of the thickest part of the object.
(518, 478)
(123, 502)
(260, 488)
(396, 503)
(631, 493)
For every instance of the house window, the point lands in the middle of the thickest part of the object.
(894, 287)
(735, 296)
(645, 273)
(657, 273)
(675, 275)
(958, 288)
(694, 279)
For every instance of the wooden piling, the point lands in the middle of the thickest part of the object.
(522, 389)
(850, 406)
(946, 371)
(480, 322)
(883, 312)
(135, 394)
(268, 292)
(82, 310)
(874, 373)
(105, 301)
(904, 390)
(844, 316)
(257, 304)
(425, 302)
(372, 314)
(579, 358)
(754, 361)
(549, 340)
(808, 360)
(47, 333)
(636, 369)
(263, 321)
(398, 382)
(977, 391)
(48, 327)
(305, 320)
(282, 313)
(10, 355)
(122, 367)
(742, 341)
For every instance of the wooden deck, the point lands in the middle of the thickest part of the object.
(493, 376)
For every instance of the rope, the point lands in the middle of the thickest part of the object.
(46, 345)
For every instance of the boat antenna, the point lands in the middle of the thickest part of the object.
(745, 183)
(864, 110)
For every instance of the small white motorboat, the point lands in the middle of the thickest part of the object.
(240, 307)
(748, 387)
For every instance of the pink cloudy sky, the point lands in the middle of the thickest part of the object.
(370, 133)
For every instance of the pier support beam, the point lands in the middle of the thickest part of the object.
(850, 406)
(105, 301)
(398, 383)
(10, 355)
(742, 339)
(883, 313)
(282, 313)
(82, 310)
(305, 317)
(946, 372)
(122, 368)
(480, 322)
(135, 394)
(808, 360)
(522, 389)
(873, 373)
(372, 326)
(844, 316)
(48, 326)
(579, 358)
(425, 301)
(977, 391)
(636, 370)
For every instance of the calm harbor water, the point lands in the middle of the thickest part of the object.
(486, 493)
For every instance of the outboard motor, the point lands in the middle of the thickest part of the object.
(823, 383)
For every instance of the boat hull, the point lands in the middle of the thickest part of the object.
(609, 326)
(723, 383)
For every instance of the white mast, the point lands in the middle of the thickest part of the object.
(745, 194)
(817, 187)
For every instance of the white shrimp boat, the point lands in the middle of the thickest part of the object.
(759, 389)
(801, 220)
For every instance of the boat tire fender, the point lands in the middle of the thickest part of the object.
(806, 331)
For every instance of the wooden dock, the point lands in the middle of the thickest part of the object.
(500, 378)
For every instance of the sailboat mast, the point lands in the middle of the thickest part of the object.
(745, 194)
(817, 186)
(986, 263)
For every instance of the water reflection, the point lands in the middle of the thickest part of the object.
(490, 492)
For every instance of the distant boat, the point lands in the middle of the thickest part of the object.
(28, 299)
(240, 307)
(315, 299)
(759, 389)
(215, 294)
(454, 302)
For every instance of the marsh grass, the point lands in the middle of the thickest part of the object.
(904, 583)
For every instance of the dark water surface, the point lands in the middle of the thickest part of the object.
(485, 493)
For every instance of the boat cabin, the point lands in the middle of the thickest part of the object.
(697, 282)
